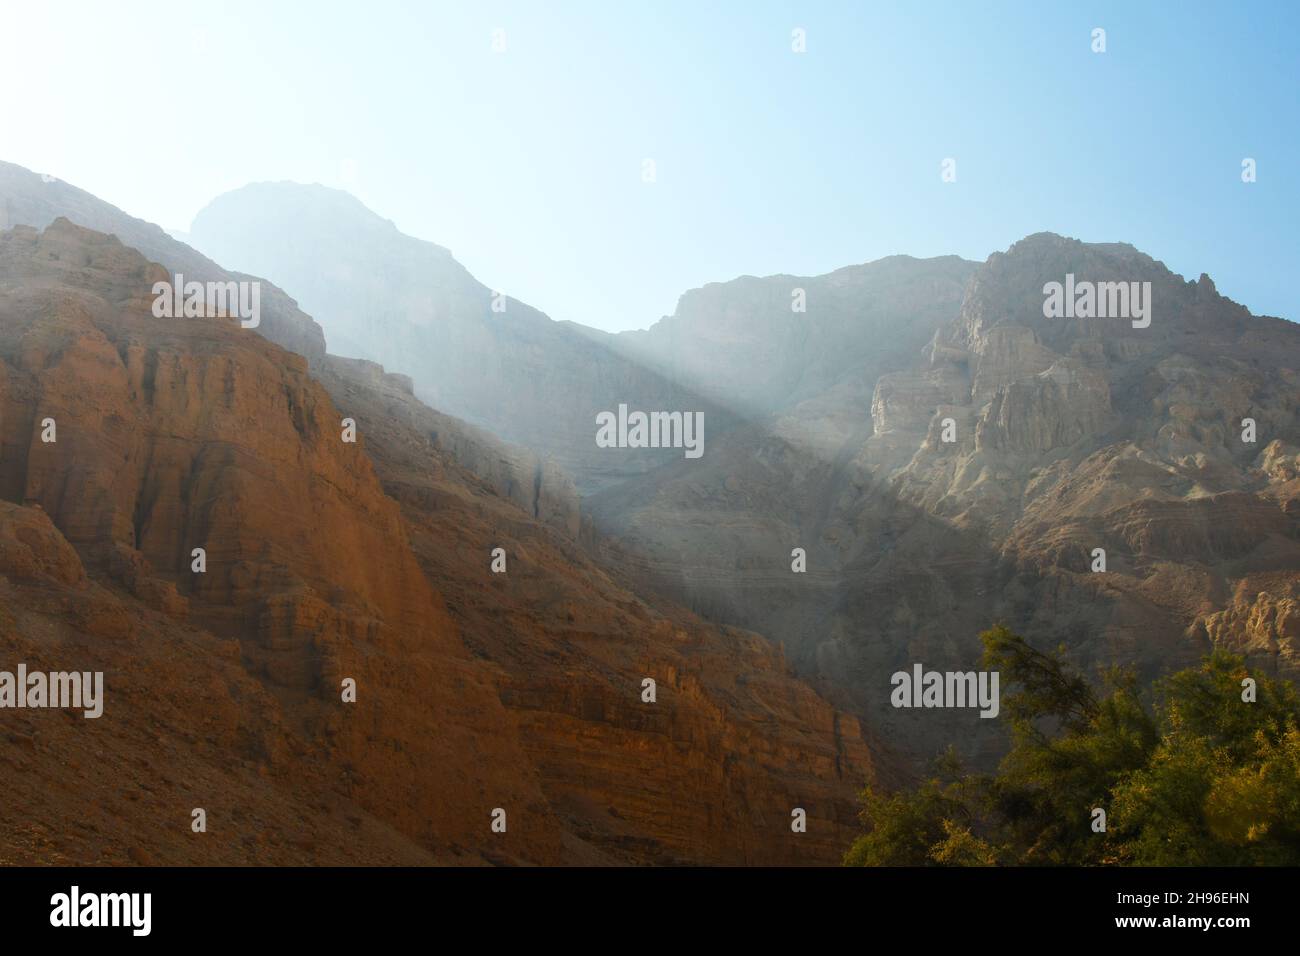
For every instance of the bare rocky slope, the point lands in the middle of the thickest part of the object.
(328, 560)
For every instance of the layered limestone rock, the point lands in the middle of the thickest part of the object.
(1055, 408)
(183, 727)
(31, 548)
(1262, 625)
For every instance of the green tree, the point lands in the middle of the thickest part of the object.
(1189, 773)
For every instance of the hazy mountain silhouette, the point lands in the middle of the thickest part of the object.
(408, 305)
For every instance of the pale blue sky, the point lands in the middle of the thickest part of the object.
(528, 164)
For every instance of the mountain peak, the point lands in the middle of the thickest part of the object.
(312, 204)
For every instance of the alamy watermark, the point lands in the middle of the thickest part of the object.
(57, 690)
(651, 430)
(1098, 300)
(75, 908)
(922, 688)
(198, 300)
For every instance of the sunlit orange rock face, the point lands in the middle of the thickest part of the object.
(329, 560)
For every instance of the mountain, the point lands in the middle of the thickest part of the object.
(943, 453)
(327, 560)
(1070, 434)
(767, 344)
(29, 199)
(409, 306)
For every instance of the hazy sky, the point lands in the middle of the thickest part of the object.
(528, 164)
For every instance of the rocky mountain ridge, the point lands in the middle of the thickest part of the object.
(1067, 435)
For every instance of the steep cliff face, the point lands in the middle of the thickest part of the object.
(1168, 442)
(470, 351)
(535, 484)
(328, 560)
(713, 768)
(1168, 446)
(172, 435)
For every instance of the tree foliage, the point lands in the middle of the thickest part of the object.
(1188, 773)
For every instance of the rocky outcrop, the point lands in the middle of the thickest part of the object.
(173, 435)
(184, 727)
(32, 550)
(1261, 625)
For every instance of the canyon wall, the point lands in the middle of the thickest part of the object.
(326, 560)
